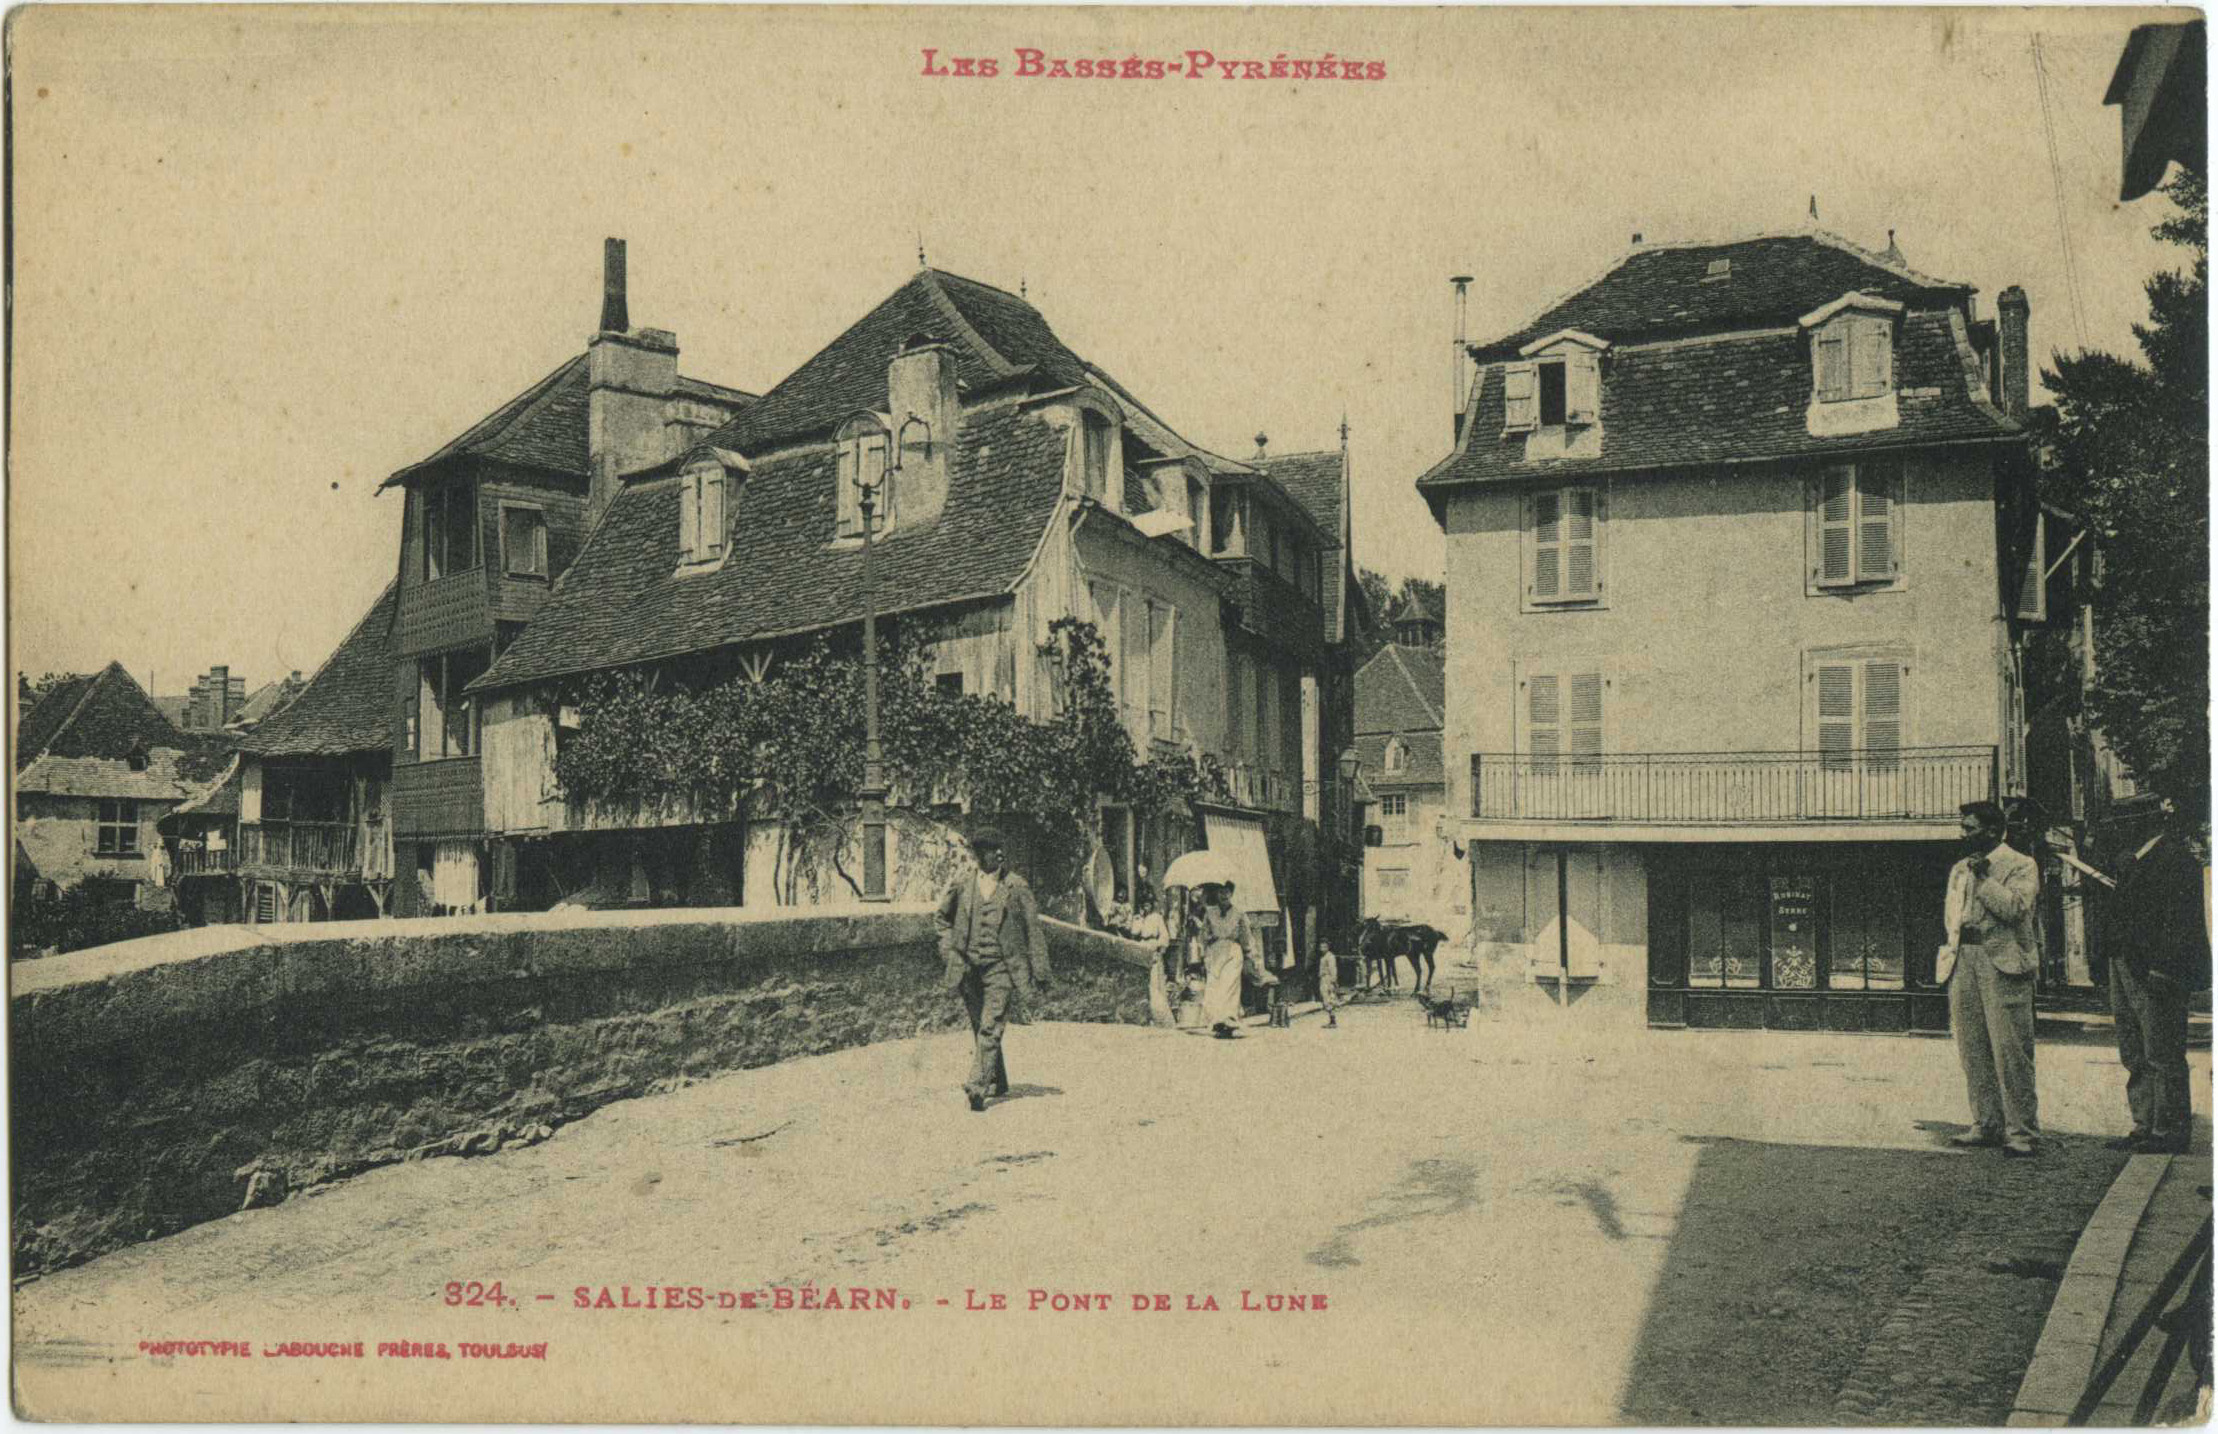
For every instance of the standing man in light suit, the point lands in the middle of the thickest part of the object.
(991, 943)
(1991, 905)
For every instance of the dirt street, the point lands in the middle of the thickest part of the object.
(1510, 1224)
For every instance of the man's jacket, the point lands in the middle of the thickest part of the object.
(1022, 940)
(1999, 909)
(2157, 923)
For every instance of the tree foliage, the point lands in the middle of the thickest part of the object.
(1385, 599)
(790, 746)
(2129, 440)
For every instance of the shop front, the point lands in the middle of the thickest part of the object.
(1811, 937)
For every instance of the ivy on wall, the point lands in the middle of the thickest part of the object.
(789, 746)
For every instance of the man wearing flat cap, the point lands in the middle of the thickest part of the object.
(991, 943)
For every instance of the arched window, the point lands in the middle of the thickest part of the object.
(863, 447)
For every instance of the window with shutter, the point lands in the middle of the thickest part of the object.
(1836, 715)
(1583, 396)
(1856, 524)
(1520, 398)
(1106, 615)
(1163, 661)
(1579, 577)
(1139, 663)
(1584, 727)
(1881, 737)
(2033, 587)
(1543, 722)
(523, 542)
(1831, 356)
(1837, 526)
(712, 516)
(1875, 524)
(1547, 526)
(1564, 546)
(1553, 394)
(689, 516)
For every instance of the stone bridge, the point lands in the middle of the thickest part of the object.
(168, 1081)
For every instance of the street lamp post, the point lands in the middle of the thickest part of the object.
(873, 792)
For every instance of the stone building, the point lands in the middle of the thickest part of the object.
(1739, 538)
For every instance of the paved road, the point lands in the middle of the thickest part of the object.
(1485, 1216)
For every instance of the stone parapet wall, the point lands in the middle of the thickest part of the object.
(163, 1082)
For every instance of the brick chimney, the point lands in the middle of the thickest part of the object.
(920, 382)
(630, 376)
(2012, 369)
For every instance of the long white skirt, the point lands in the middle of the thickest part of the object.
(1220, 998)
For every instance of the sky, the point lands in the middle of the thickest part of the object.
(264, 258)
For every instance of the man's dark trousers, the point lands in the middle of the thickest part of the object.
(988, 992)
(2150, 1008)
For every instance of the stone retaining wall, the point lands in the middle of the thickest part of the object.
(163, 1082)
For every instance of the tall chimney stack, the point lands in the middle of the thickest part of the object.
(615, 312)
(630, 378)
(2014, 368)
(1458, 357)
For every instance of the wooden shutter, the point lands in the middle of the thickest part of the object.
(689, 515)
(1581, 543)
(1543, 721)
(1836, 722)
(1830, 353)
(1878, 490)
(712, 514)
(1582, 376)
(1547, 529)
(1836, 526)
(1585, 718)
(1139, 664)
(1163, 660)
(1520, 397)
(1882, 714)
(2033, 587)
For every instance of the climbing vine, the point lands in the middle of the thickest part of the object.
(789, 746)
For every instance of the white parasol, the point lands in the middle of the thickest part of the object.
(1198, 868)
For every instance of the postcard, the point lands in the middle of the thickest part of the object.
(1108, 716)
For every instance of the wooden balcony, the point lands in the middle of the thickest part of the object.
(196, 860)
(1908, 784)
(303, 848)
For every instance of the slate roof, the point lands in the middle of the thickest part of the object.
(996, 337)
(544, 426)
(1401, 689)
(1414, 607)
(622, 602)
(1736, 399)
(164, 778)
(348, 705)
(1667, 289)
(101, 714)
(1425, 767)
(1313, 481)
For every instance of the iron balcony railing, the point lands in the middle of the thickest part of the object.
(1895, 784)
(331, 848)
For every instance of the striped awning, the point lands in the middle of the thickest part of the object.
(1239, 840)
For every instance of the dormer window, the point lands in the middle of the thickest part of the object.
(1852, 348)
(864, 443)
(701, 508)
(1556, 384)
(1095, 433)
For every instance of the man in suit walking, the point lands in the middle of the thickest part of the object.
(1992, 896)
(991, 943)
(2159, 949)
